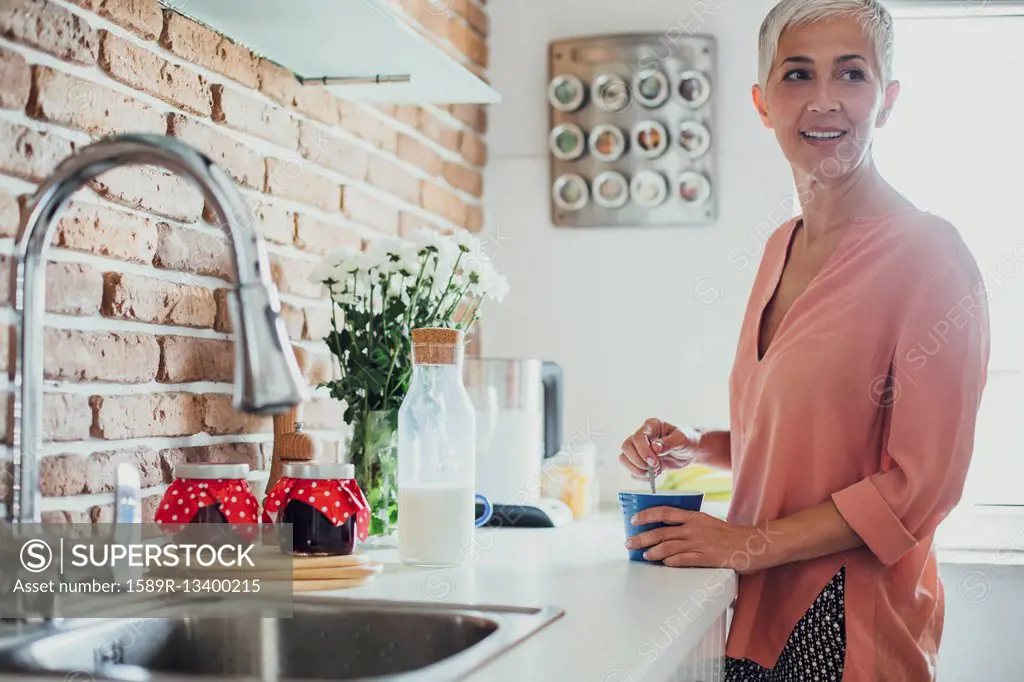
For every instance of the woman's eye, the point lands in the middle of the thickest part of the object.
(797, 75)
(853, 75)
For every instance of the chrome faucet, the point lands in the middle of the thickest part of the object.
(267, 376)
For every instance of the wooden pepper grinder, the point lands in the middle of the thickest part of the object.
(291, 443)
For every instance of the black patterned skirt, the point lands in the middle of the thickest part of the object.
(815, 649)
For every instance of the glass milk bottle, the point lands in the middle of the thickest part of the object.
(436, 456)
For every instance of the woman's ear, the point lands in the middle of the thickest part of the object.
(892, 93)
(761, 104)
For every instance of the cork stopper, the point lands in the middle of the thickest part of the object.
(436, 346)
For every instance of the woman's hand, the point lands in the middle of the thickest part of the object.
(658, 444)
(703, 542)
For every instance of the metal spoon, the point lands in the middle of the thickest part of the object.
(651, 472)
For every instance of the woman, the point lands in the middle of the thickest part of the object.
(854, 391)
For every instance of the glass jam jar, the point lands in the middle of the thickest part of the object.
(324, 505)
(210, 493)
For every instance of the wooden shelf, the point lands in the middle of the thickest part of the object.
(344, 38)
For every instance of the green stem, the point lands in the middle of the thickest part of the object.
(455, 268)
(348, 321)
(414, 299)
(435, 258)
(383, 298)
(369, 310)
(455, 304)
(394, 351)
(334, 329)
(471, 313)
(355, 358)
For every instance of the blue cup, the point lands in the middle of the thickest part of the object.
(488, 510)
(631, 503)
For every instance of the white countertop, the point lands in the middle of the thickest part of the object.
(619, 615)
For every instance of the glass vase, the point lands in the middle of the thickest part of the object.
(374, 452)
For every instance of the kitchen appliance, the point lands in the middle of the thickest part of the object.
(518, 405)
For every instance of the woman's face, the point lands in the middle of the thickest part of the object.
(825, 96)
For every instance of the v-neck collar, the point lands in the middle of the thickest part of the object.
(777, 280)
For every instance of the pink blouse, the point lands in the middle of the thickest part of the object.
(868, 395)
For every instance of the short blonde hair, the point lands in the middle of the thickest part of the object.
(872, 16)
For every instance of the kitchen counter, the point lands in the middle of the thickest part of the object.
(624, 621)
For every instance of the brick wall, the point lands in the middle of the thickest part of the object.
(138, 345)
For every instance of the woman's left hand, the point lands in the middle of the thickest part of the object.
(697, 540)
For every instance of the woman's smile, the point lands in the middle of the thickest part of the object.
(824, 137)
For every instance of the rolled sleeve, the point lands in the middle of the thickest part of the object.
(869, 514)
(938, 375)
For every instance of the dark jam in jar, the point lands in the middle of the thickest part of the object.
(191, 482)
(313, 533)
(209, 515)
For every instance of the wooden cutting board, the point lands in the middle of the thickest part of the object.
(318, 585)
(271, 558)
(305, 573)
(362, 571)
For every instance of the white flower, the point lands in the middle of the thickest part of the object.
(334, 263)
(399, 287)
(373, 259)
(490, 284)
(401, 265)
(342, 274)
(426, 237)
(440, 284)
(394, 254)
(466, 242)
(447, 256)
(387, 269)
(363, 283)
(353, 264)
(475, 285)
(344, 299)
(387, 244)
(471, 264)
(341, 254)
(410, 259)
(321, 272)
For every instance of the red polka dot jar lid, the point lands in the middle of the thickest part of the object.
(199, 487)
(330, 489)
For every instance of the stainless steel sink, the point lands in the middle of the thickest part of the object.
(300, 639)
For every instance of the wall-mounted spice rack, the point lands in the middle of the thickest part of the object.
(632, 125)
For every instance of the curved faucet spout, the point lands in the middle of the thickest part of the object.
(267, 377)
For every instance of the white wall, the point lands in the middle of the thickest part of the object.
(615, 307)
(984, 621)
